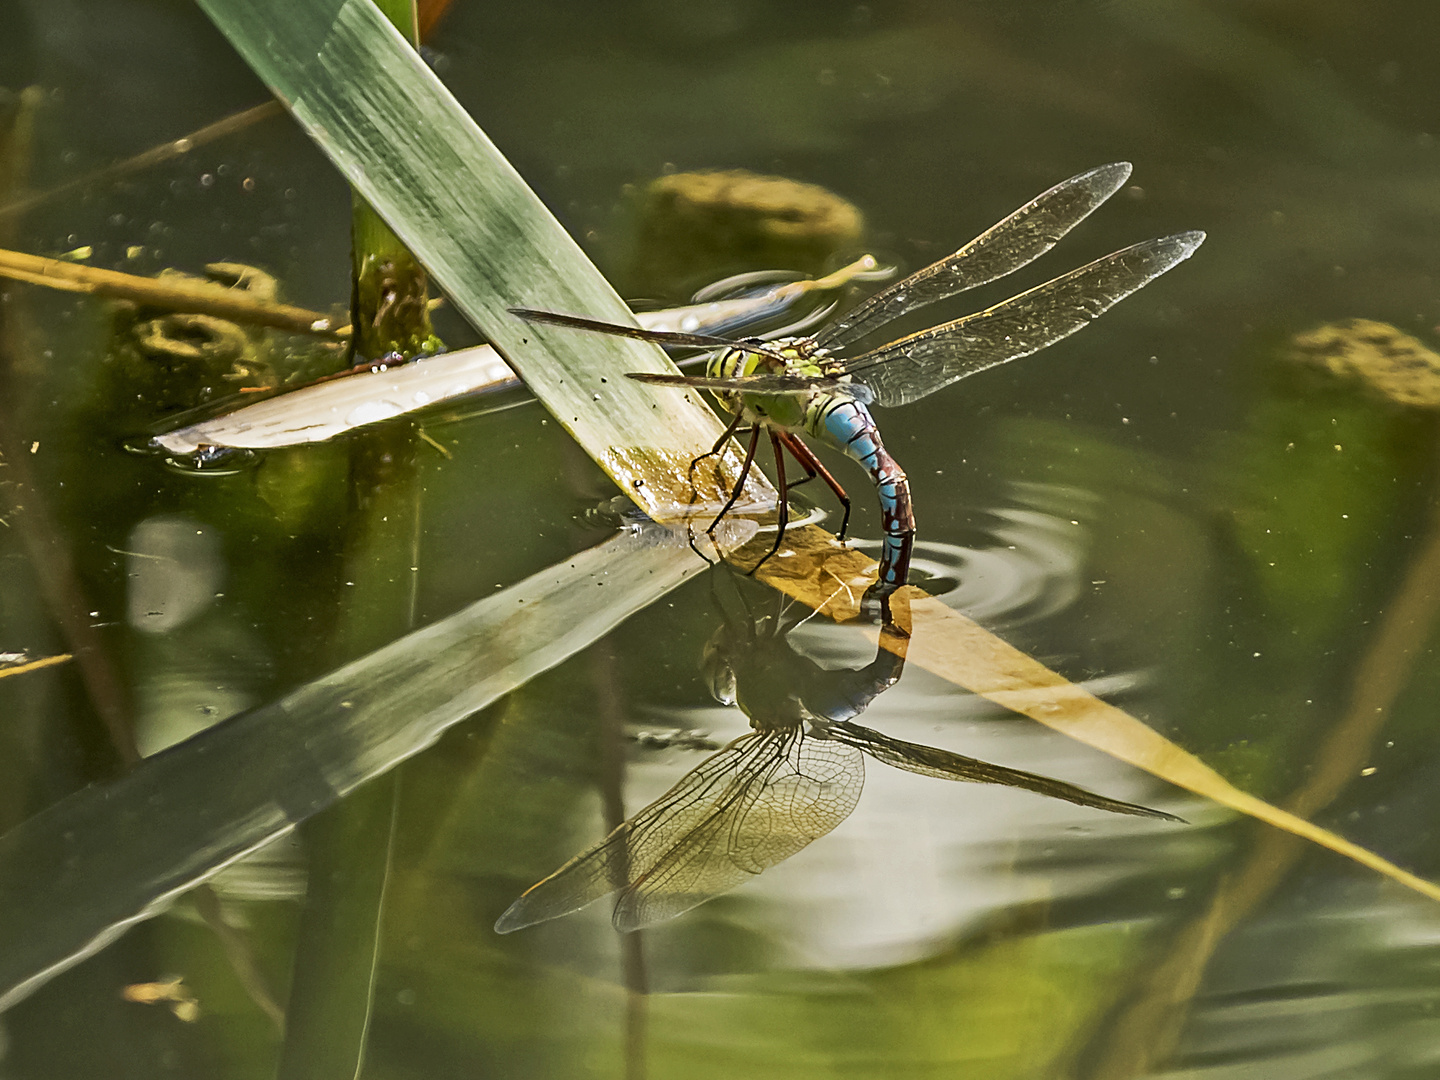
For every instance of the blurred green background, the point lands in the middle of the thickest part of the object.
(1209, 503)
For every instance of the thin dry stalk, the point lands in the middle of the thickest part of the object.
(182, 295)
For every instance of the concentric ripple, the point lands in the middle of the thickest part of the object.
(1026, 566)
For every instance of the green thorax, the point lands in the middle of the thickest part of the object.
(792, 412)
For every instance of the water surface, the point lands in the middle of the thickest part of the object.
(1163, 507)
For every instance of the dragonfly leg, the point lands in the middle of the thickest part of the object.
(783, 508)
(730, 430)
(744, 473)
(690, 540)
(814, 467)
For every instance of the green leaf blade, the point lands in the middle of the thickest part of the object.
(398, 136)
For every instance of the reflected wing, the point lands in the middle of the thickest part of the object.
(909, 369)
(761, 799)
(759, 384)
(1002, 249)
(636, 845)
(659, 337)
(932, 761)
(798, 790)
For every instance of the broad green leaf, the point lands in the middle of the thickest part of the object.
(77, 875)
(417, 157)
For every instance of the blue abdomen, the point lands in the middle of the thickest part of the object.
(848, 426)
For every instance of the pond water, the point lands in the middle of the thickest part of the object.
(1215, 508)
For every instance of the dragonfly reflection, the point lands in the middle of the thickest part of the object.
(792, 779)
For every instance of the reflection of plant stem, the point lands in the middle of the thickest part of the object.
(351, 845)
(238, 952)
(238, 305)
(49, 555)
(1145, 1029)
(612, 777)
(54, 569)
(154, 156)
(24, 509)
(580, 477)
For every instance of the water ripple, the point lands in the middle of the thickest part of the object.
(1024, 567)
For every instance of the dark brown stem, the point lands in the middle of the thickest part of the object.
(238, 952)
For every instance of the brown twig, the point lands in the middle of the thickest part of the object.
(183, 295)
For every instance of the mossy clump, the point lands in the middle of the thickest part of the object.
(1382, 359)
(700, 225)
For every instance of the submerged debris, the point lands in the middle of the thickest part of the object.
(693, 224)
(1383, 358)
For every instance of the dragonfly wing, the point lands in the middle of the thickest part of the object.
(634, 848)
(759, 384)
(909, 369)
(1001, 249)
(796, 791)
(932, 761)
(659, 337)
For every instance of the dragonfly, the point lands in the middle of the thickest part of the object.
(793, 778)
(804, 386)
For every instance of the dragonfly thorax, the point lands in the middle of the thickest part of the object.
(796, 357)
(785, 356)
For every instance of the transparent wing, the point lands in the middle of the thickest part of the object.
(759, 384)
(659, 337)
(932, 761)
(1002, 249)
(805, 788)
(909, 369)
(636, 845)
(762, 798)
